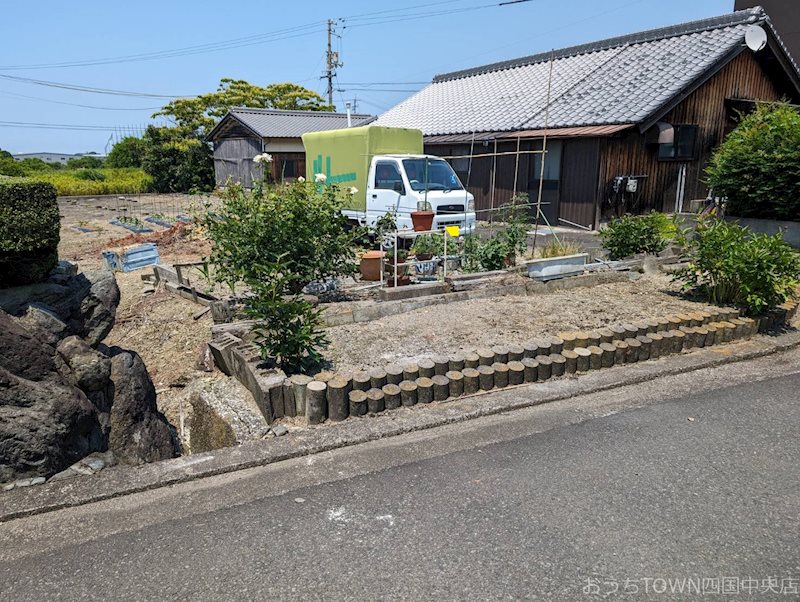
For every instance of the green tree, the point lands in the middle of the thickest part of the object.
(198, 115)
(34, 164)
(4, 154)
(177, 163)
(85, 162)
(128, 152)
(758, 165)
(9, 167)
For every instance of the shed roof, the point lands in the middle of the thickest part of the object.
(623, 80)
(276, 123)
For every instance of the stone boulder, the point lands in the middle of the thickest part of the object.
(139, 432)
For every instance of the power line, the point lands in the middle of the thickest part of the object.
(90, 89)
(62, 126)
(73, 104)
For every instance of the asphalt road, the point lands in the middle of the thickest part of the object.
(540, 503)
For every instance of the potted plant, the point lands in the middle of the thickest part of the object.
(370, 265)
(422, 218)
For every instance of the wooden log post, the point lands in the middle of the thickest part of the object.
(688, 333)
(571, 361)
(391, 396)
(289, 408)
(358, 402)
(408, 393)
(426, 367)
(595, 357)
(516, 372)
(316, 402)
(545, 346)
(594, 338)
(471, 381)
(338, 402)
(515, 353)
(456, 379)
(581, 338)
(583, 359)
(456, 363)
(486, 377)
(631, 330)
(558, 364)
(607, 357)
(410, 372)
(652, 325)
(441, 364)
(531, 369)
(678, 338)
(618, 332)
(375, 401)
(701, 336)
(500, 375)
(620, 352)
(663, 324)
(424, 389)
(500, 354)
(666, 342)
(394, 374)
(324, 376)
(728, 331)
(531, 349)
(644, 350)
(545, 367)
(568, 339)
(606, 335)
(361, 381)
(299, 384)
(641, 327)
(441, 387)
(655, 346)
(472, 360)
(486, 357)
(377, 378)
(634, 345)
(556, 344)
(674, 322)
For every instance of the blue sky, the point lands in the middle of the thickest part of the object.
(386, 47)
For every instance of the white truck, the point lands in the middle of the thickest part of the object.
(388, 171)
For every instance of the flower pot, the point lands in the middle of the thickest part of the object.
(424, 256)
(371, 265)
(422, 220)
(401, 281)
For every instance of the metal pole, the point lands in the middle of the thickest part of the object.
(444, 275)
(544, 152)
(516, 168)
(396, 250)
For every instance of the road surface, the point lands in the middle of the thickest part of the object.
(634, 492)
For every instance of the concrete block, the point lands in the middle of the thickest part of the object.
(413, 291)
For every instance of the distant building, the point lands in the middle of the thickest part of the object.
(53, 157)
(244, 133)
(785, 16)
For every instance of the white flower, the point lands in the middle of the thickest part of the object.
(263, 158)
(352, 190)
(320, 178)
(301, 179)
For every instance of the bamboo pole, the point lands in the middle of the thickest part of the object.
(544, 152)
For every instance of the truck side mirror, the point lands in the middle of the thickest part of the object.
(399, 188)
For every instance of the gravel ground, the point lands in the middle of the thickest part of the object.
(467, 325)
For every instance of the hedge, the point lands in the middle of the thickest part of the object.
(29, 231)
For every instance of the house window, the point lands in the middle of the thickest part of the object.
(683, 146)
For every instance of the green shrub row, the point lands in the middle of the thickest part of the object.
(632, 234)
(83, 182)
(29, 230)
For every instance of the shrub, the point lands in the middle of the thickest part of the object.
(494, 253)
(428, 244)
(128, 152)
(85, 162)
(629, 235)
(29, 231)
(277, 240)
(757, 167)
(730, 265)
(177, 163)
(9, 167)
(116, 181)
(90, 174)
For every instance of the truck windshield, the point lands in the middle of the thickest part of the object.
(431, 174)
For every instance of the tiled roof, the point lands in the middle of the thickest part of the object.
(274, 123)
(616, 81)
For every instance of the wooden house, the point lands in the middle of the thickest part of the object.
(245, 132)
(630, 122)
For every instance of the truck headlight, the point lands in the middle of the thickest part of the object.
(471, 205)
(423, 205)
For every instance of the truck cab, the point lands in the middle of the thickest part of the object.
(406, 183)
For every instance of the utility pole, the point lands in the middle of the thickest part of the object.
(332, 62)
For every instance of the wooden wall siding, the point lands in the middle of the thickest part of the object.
(233, 158)
(629, 154)
(480, 179)
(579, 169)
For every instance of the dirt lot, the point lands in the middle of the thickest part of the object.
(467, 325)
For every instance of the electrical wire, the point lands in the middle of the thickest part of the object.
(73, 104)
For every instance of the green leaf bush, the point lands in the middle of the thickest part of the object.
(730, 265)
(276, 240)
(757, 167)
(632, 234)
(29, 231)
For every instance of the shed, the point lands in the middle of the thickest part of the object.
(631, 121)
(246, 132)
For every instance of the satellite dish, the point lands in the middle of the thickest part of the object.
(755, 37)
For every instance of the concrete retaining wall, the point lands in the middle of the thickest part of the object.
(791, 230)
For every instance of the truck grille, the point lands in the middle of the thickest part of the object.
(445, 209)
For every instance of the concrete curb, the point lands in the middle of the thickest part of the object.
(122, 480)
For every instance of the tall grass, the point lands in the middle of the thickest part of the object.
(117, 181)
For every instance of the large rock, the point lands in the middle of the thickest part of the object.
(85, 303)
(139, 432)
